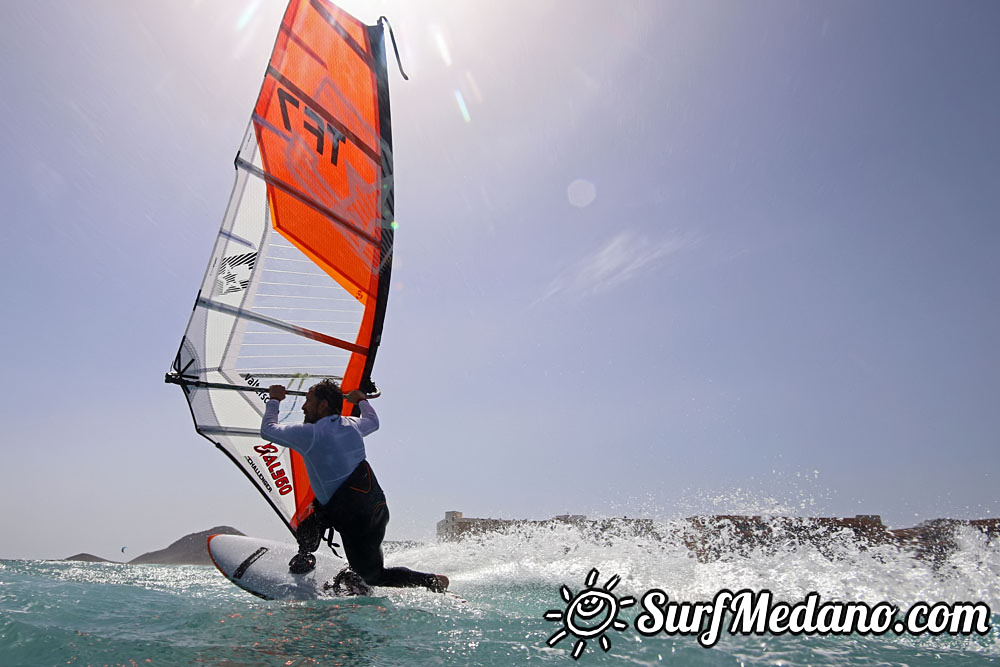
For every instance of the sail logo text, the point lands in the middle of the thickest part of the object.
(317, 128)
(254, 382)
(273, 463)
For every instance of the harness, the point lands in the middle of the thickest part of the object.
(328, 537)
(359, 481)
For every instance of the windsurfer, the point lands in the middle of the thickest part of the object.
(348, 497)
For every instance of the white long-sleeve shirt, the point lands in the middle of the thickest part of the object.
(331, 448)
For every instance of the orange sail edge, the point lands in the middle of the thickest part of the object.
(304, 495)
(359, 365)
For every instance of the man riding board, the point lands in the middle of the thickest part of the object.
(348, 497)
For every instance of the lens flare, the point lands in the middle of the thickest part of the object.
(581, 193)
(463, 109)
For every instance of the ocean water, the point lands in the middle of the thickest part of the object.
(518, 588)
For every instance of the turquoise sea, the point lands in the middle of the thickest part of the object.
(65, 613)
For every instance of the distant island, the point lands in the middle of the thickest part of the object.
(193, 550)
(189, 550)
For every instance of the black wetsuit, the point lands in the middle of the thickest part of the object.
(358, 511)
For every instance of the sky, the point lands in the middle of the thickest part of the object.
(654, 258)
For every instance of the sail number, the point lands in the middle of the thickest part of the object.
(267, 453)
(311, 123)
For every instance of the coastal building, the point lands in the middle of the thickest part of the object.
(455, 526)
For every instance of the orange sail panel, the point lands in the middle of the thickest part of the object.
(317, 120)
(297, 285)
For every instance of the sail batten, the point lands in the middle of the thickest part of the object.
(249, 316)
(296, 287)
(305, 199)
(340, 29)
(234, 431)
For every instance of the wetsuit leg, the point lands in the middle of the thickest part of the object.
(363, 548)
(360, 516)
(361, 534)
(310, 533)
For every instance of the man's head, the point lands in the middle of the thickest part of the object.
(322, 400)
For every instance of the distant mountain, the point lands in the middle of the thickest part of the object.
(189, 550)
(88, 558)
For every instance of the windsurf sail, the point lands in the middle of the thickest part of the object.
(297, 284)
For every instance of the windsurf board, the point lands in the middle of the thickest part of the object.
(260, 567)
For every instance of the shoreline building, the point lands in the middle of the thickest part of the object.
(455, 525)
